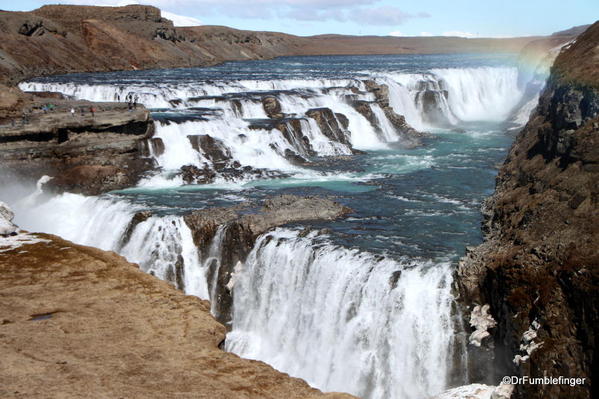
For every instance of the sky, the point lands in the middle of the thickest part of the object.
(466, 18)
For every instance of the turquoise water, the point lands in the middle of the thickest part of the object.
(421, 202)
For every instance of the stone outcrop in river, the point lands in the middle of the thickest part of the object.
(408, 136)
(538, 268)
(227, 235)
(237, 230)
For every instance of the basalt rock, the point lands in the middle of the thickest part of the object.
(7, 227)
(138, 218)
(380, 91)
(99, 147)
(538, 268)
(192, 174)
(272, 107)
(237, 228)
(431, 102)
(291, 129)
(157, 146)
(329, 125)
(364, 108)
(407, 135)
(213, 149)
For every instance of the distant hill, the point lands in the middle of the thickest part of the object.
(575, 31)
(63, 39)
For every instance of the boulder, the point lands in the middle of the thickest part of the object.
(272, 107)
(192, 174)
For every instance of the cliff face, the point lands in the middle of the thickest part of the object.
(538, 268)
(78, 320)
(85, 152)
(61, 39)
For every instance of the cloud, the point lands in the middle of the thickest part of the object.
(426, 34)
(320, 15)
(395, 33)
(460, 33)
(180, 20)
(357, 11)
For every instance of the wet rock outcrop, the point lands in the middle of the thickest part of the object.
(79, 322)
(538, 268)
(213, 149)
(272, 107)
(329, 125)
(86, 147)
(233, 231)
(408, 136)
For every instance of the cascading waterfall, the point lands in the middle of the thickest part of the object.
(344, 320)
(481, 93)
(451, 95)
(439, 97)
(162, 246)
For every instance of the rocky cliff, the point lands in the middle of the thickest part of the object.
(538, 269)
(77, 321)
(86, 147)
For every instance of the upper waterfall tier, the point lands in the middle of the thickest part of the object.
(211, 129)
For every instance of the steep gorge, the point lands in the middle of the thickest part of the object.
(538, 268)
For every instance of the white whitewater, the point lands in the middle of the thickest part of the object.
(160, 245)
(341, 319)
(481, 94)
(344, 320)
(473, 94)
(438, 97)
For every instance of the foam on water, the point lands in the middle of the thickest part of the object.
(344, 320)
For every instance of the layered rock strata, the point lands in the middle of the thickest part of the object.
(86, 147)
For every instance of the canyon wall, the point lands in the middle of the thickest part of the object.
(86, 147)
(538, 267)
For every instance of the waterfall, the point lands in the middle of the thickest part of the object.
(344, 320)
(232, 112)
(341, 319)
(483, 93)
(450, 95)
(162, 246)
